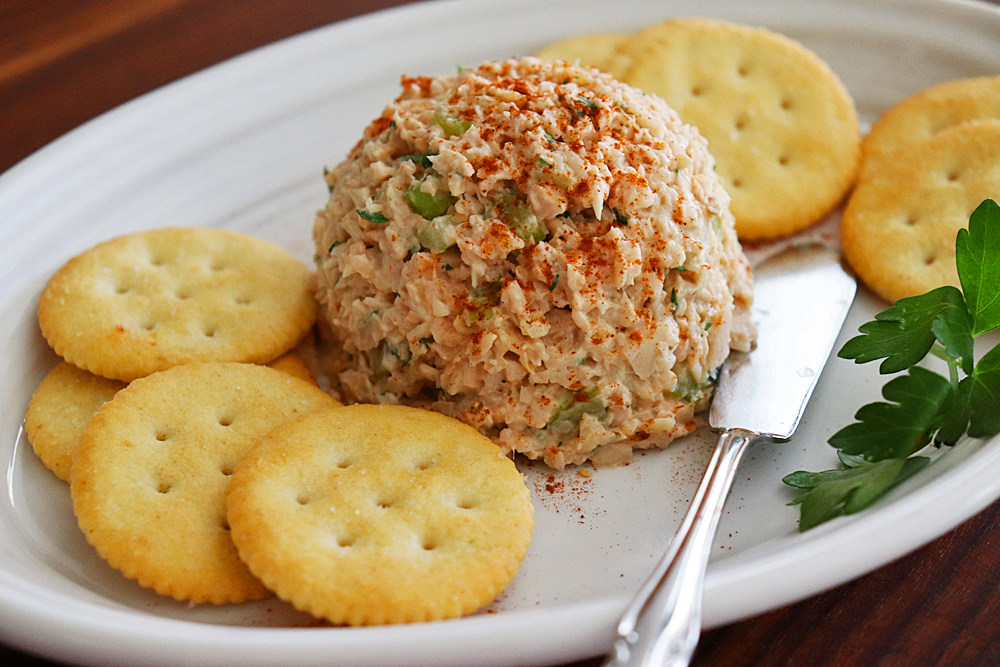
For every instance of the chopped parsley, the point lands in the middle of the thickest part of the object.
(423, 159)
(879, 450)
(371, 216)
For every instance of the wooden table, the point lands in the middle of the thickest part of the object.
(63, 62)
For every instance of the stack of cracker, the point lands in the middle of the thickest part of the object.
(928, 163)
(161, 406)
(781, 126)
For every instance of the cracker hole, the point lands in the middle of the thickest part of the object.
(737, 183)
(787, 104)
(226, 420)
(209, 332)
(741, 123)
(743, 70)
(383, 503)
(345, 541)
(911, 220)
(183, 294)
(241, 299)
(423, 465)
(697, 91)
(148, 326)
(783, 160)
(156, 260)
(163, 487)
(428, 543)
(302, 499)
(343, 464)
(122, 289)
(217, 265)
(227, 469)
(952, 176)
(161, 436)
(225, 524)
(465, 504)
(930, 259)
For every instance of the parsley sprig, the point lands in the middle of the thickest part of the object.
(880, 450)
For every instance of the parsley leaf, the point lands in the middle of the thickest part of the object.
(905, 333)
(897, 429)
(371, 216)
(878, 450)
(977, 256)
(832, 493)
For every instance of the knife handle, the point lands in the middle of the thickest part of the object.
(661, 626)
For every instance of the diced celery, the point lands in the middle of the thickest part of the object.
(527, 226)
(453, 127)
(516, 214)
(570, 411)
(426, 205)
(437, 235)
(687, 388)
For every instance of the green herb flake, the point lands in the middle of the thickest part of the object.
(423, 159)
(371, 216)
(555, 281)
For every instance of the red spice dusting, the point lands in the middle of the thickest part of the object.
(552, 485)
(421, 83)
(378, 126)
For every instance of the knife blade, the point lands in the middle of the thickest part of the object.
(801, 298)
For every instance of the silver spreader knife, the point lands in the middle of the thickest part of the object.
(801, 298)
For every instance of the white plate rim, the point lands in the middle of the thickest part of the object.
(852, 538)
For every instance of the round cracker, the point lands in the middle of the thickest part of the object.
(153, 468)
(294, 365)
(68, 397)
(60, 410)
(782, 127)
(926, 113)
(598, 50)
(148, 301)
(372, 514)
(900, 224)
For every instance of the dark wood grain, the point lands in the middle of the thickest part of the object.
(63, 62)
